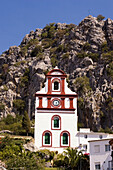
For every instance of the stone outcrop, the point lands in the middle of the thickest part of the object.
(79, 51)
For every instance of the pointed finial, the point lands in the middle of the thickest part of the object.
(56, 67)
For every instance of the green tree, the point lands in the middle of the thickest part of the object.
(19, 104)
(73, 157)
(26, 123)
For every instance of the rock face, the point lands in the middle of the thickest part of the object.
(84, 52)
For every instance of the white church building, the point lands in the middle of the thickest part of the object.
(56, 117)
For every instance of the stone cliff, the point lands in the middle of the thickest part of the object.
(84, 52)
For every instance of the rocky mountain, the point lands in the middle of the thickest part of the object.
(84, 52)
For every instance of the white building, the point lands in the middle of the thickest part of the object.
(56, 113)
(100, 155)
(85, 135)
(56, 117)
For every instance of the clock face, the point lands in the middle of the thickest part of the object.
(56, 102)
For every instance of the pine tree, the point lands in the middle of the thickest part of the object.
(26, 123)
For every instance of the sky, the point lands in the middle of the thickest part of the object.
(19, 17)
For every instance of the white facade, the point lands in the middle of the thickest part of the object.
(100, 154)
(56, 101)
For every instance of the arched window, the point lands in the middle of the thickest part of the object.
(47, 138)
(56, 122)
(56, 85)
(64, 139)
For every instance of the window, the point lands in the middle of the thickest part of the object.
(97, 148)
(56, 85)
(107, 148)
(85, 136)
(56, 122)
(47, 138)
(97, 166)
(85, 147)
(100, 136)
(65, 139)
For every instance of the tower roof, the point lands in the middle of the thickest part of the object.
(56, 72)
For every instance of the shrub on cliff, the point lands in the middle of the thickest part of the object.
(100, 17)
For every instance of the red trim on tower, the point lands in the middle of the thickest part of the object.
(49, 85)
(43, 134)
(49, 102)
(71, 103)
(56, 70)
(63, 106)
(59, 109)
(61, 134)
(56, 95)
(40, 102)
(63, 86)
(59, 124)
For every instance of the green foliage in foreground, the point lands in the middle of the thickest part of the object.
(14, 156)
(12, 124)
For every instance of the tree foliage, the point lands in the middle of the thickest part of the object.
(26, 123)
(19, 104)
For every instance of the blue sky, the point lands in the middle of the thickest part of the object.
(19, 17)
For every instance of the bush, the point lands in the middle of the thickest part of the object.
(108, 57)
(46, 43)
(17, 64)
(32, 42)
(25, 78)
(40, 56)
(82, 54)
(65, 56)
(61, 33)
(49, 31)
(104, 47)
(36, 50)
(5, 88)
(81, 103)
(9, 120)
(19, 104)
(86, 46)
(82, 84)
(23, 51)
(54, 61)
(2, 107)
(100, 18)
(44, 35)
(26, 123)
(94, 56)
(109, 70)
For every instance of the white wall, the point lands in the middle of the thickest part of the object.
(102, 157)
(43, 122)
